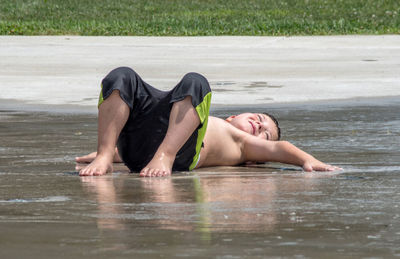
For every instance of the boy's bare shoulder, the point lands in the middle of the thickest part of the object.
(219, 127)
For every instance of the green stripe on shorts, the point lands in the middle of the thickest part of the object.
(101, 99)
(203, 109)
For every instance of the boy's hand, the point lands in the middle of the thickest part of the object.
(315, 165)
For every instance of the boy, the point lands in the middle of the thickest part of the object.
(157, 132)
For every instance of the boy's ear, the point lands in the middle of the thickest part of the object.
(230, 118)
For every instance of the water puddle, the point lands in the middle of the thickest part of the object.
(257, 210)
(44, 199)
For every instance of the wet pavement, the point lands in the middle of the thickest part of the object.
(266, 210)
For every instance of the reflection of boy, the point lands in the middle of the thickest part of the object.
(156, 132)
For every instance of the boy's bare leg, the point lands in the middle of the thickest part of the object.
(90, 157)
(113, 114)
(183, 121)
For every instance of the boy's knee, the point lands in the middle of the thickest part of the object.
(120, 73)
(119, 78)
(123, 79)
(194, 80)
(193, 76)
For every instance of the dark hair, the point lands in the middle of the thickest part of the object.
(276, 124)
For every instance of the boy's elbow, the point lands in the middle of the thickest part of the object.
(284, 143)
(284, 146)
(256, 150)
(280, 149)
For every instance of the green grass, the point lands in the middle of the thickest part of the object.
(201, 17)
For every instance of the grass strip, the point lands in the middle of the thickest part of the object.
(199, 17)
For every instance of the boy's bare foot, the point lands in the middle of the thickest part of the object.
(100, 166)
(159, 166)
(86, 159)
(90, 157)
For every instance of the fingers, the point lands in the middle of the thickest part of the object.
(337, 168)
(319, 166)
(324, 168)
(332, 168)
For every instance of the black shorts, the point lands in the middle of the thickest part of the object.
(149, 116)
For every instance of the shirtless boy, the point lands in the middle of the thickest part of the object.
(157, 132)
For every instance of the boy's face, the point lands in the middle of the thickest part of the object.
(256, 124)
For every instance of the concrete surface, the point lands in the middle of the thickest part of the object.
(67, 70)
(258, 211)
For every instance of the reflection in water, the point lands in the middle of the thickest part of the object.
(104, 190)
(236, 204)
(204, 203)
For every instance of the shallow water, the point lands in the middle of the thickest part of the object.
(267, 210)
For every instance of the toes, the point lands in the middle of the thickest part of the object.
(83, 173)
(150, 173)
(166, 173)
(147, 172)
(144, 171)
(87, 172)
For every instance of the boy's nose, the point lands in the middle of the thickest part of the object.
(258, 124)
(261, 125)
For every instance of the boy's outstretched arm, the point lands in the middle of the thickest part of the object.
(259, 150)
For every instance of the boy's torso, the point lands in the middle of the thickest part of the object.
(222, 144)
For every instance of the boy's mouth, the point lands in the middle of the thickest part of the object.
(254, 128)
